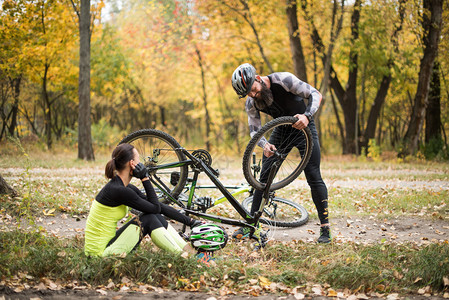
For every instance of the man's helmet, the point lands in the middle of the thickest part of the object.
(243, 79)
(208, 237)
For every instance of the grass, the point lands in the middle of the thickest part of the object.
(383, 268)
(56, 180)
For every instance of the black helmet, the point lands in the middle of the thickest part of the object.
(243, 79)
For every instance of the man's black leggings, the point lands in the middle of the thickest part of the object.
(312, 172)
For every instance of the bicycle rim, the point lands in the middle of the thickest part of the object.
(295, 145)
(281, 212)
(158, 148)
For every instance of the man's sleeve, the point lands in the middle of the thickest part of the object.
(254, 120)
(292, 84)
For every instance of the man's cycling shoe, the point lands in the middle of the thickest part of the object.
(242, 232)
(325, 235)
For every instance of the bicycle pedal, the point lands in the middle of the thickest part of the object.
(204, 203)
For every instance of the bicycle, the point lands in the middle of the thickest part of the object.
(278, 212)
(162, 155)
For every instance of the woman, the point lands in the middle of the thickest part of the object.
(111, 205)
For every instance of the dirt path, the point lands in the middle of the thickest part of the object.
(362, 230)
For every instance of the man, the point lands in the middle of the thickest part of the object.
(283, 94)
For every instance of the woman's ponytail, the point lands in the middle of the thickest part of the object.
(110, 169)
(121, 155)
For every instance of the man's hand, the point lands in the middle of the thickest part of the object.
(268, 149)
(301, 123)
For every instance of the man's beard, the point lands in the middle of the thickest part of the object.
(265, 97)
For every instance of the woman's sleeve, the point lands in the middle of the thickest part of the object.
(174, 214)
(149, 204)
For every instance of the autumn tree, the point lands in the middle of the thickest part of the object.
(12, 63)
(431, 25)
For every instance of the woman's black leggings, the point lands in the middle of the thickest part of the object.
(312, 172)
(150, 222)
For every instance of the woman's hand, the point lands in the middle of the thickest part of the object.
(140, 171)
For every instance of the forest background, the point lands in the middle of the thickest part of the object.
(382, 67)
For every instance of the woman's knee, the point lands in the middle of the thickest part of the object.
(150, 222)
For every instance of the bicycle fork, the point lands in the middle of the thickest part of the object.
(265, 197)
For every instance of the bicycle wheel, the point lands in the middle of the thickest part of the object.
(158, 148)
(293, 144)
(281, 212)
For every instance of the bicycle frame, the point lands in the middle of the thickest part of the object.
(199, 166)
(239, 189)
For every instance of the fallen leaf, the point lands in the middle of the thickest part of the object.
(331, 293)
(362, 296)
(446, 281)
(49, 212)
(264, 282)
(380, 287)
(418, 279)
(317, 291)
(393, 297)
(102, 292)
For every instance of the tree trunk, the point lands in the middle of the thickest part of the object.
(433, 112)
(15, 84)
(375, 110)
(349, 100)
(206, 111)
(46, 106)
(432, 19)
(6, 189)
(299, 64)
(85, 149)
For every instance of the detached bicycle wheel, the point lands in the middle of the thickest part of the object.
(294, 145)
(157, 148)
(281, 212)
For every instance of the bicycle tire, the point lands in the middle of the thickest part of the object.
(288, 138)
(156, 148)
(293, 215)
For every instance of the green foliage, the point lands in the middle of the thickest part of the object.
(373, 150)
(435, 148)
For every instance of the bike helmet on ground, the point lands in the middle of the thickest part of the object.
(208, 237)
(243, 79)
